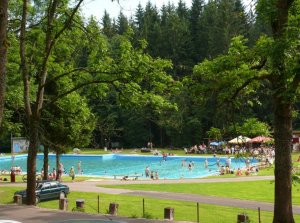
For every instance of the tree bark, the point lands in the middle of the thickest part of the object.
(46, 162)
(57, 164)
(283, 212)
(31, 161)
(3, 53)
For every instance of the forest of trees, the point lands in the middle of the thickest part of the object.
(184, 36)
(168, 75)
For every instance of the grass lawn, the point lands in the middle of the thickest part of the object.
(255, 190)
(131, 206)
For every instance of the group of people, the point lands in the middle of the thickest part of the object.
(248, 171)
(16, 169)
(153, 175)
(57, 174)
(201, 149)
(190, 166)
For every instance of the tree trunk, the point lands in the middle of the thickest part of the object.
(31, 160)
(57, 164)
(3, 53)
(283, 212)
(46, 162)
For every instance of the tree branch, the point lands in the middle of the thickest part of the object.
(247, 82)
(83, 85)
(83, 69)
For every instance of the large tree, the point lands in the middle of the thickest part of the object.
(273, 65)
(115, 64)
(53, 27)
(285, 78)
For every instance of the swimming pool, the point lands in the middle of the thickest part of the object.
(108, 166)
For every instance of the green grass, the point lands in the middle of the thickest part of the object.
(253, 190)
(131, 206)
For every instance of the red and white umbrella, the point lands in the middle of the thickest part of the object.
(261, 139)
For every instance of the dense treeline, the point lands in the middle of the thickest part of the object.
(185, 36)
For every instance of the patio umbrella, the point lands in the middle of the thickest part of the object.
(261, 139)
(239, 140)
(214, 143)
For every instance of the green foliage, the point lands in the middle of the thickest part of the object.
(214, 133)
(131, 76)
(252, 127)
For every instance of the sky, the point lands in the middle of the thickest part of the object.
(128, 7)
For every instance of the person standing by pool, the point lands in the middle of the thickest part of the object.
(248, 162)
(228, 162)
(164, 156)
(147, 171)
(72, 173)
(79, 167)
(54, 173)
(60, 171)
(190, 165)
(206, 163)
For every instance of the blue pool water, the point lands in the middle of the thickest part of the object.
(116, 164)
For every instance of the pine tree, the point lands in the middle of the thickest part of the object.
(107, 26)
(195, 29)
